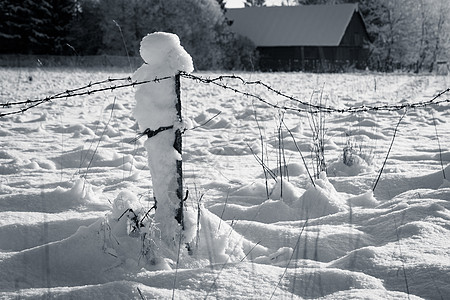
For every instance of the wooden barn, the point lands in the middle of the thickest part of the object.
(308, 37)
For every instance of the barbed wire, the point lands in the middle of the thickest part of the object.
(81, 91)
(220, 81)
(309, 107)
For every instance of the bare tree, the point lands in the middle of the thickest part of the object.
(441, 31)
(255, 3)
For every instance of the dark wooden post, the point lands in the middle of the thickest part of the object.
(178, 145)
(302, 55)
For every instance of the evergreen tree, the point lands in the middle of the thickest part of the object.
(14, 26)
(117, 26)
(39, 39)
(7, 37)
(85, 34)
(34, 26)
(58, 29)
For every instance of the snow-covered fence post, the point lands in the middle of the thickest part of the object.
(178, 145)
(158, 112)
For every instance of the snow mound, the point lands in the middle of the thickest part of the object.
(359, 166)
(80, 157)
(315, 283)
(322, 243)
(287, 202)
(391, 185)
(110, 290)
(366, 199)
(373, 294)
(134, 236)
(115, 106)
(77, 260)
(17, 225)
(286, 191)
(321, 200)
(267, 212)
(80, 196)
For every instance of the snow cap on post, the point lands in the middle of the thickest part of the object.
(165, 47)
(155, 102)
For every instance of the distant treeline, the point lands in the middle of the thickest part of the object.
(407, 34)
(411, 35)
(116, 27)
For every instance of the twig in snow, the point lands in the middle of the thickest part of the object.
(265, 167)
(148, 212)
(262, 149)
(439, 144)
(290, 259)
(223, 210)
(317, 125)
(401, 255)
(301, 155)
(140, 293)
(206, 122)
(83, 158)
(250, 251)
(199, 212)
(100, 139)
(281, 159)
(176, 268)
(124, 45)
(234, 249)
(389, 150)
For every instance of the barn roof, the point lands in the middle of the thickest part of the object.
(306, 25)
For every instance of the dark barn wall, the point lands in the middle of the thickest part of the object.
(355, 34)
(290, 58)
(354, 43)
(351, 52)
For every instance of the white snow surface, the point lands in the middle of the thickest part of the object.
(68, 177)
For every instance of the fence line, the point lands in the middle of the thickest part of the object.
(309, 107)
(72, 61)
(81, 91)
(217, 81)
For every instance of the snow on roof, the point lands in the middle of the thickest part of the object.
(307, 25)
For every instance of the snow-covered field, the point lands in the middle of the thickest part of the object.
(68, 171)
